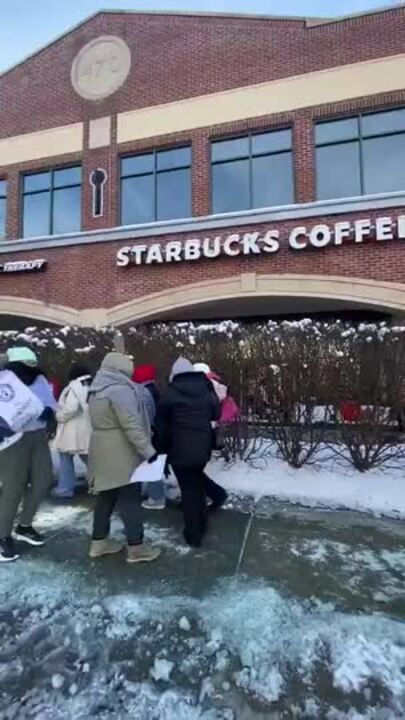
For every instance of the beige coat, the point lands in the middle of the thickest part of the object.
(72, 414)
(121, 433)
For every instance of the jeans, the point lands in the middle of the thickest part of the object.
(156, 490)
(127, 500)
(67, 479)
(195, 487)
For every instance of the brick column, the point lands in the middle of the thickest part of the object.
(304, 158)
(13, 210)
(105, 158)
(201, 174)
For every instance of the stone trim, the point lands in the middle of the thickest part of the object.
(210, 222)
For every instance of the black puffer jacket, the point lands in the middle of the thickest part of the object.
(183, 423)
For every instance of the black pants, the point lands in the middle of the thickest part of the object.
(195, 487)
(127, 500)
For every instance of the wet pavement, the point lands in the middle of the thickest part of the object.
(285, 613)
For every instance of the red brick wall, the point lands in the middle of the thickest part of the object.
(87, 276)
(175, 57)
(181, 56)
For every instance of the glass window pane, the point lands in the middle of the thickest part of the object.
(174, 194)
(384, 164)
(137, 200)
(2, 217)
(3, 188)
(337, 130)
(67, 176)
(36, 210)
(37, 181)
(271, 142)
(137, 164)
(338, 171)
(67, 210)
(228, 149)
(385, 122)
(180, 157)
(230, 186)
(272, 177)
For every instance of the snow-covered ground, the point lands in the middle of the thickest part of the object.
(328, 484)
(75, 646)
(238, 652)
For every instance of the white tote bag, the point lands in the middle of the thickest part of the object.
(18, 405)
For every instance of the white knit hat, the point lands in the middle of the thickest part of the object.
(202, 368)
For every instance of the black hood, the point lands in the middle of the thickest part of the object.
(26, 373)
(191, 384)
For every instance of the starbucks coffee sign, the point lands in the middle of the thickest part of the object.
(266, 242)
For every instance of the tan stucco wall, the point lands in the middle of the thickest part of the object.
(368, 293)
(46, 143)
(317, 88)
(385, 296)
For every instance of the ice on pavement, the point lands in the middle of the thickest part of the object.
(162, 669)
(249, 646)
(386, 566)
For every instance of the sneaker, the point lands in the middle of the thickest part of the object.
(7, 550)
(150, 504)
(142, 553)
(100, 548)
(29, 536)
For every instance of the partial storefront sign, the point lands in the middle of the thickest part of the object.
(267, 241)
(17, 266)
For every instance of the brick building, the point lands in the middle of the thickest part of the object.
(177, 165)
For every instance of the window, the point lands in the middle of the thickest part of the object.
(156, 186)
(52, 202)
(252, 171)
(361, 155)
(3, 202)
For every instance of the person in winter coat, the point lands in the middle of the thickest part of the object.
(26, 466)
(73, 433)
(120, 441)
(145, 375)
(220, 388)
(183, 430)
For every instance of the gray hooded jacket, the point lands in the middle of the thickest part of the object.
(121, 432)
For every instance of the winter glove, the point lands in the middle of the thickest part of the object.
(48, 416)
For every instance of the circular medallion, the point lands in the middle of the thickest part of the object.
(7, 393)
(101, 67)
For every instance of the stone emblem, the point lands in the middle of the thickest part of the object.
(101, 67)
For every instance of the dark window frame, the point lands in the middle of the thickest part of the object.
(360, 139)
(154, 152)
(51, 190)
(250, 156)
(3, 196)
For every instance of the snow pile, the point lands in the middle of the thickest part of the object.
(62, 658)
(279, 641)
(327, 485)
